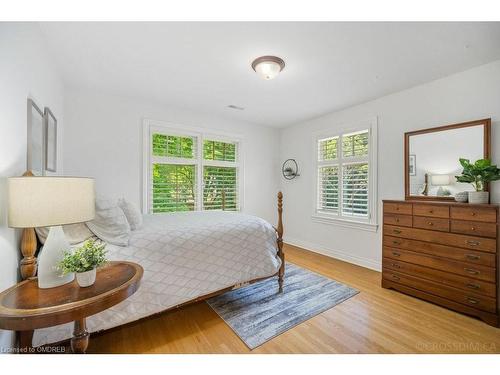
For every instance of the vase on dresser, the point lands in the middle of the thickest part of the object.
(479, 197)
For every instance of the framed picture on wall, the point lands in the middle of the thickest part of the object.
(35, 161)
(412, 165)
(50, 140)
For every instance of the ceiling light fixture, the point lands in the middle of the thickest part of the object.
(268, 67)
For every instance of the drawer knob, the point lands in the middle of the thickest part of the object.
(395, 265)
(473, 228)
(473, 256)
(397, 231)
(473, 213)
(473, 243)
(431, 211)
(472, 300)
(396, 242)
(473, 286)
(395, 277)
(471, 271)
(396, 254)
(430, 223)
(397, 220)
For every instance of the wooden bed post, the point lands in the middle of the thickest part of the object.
(279, 241)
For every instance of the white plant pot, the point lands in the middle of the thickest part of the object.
(479, 197)
(87, 278)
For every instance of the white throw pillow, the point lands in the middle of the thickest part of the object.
(75, 233)
(132, 213)
(110, 223)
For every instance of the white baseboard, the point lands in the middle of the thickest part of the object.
(359, 261)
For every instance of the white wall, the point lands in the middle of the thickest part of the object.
(103, 139)
(471, 95)
(26, 70)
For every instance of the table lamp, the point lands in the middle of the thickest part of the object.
(440, 180)
(50, 202)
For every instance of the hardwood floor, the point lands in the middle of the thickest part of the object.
(374, 321)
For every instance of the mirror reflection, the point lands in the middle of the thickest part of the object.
(433, 160)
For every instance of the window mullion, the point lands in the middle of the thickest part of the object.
(199, 174)
(340, 176)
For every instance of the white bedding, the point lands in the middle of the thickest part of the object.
(184, 256)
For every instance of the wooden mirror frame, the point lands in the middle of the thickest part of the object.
(486, 123)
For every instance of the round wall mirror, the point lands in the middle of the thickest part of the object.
(290, 169)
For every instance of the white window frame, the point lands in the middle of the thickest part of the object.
(322, 216)
(154, 126)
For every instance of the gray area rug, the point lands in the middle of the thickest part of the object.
(257, 312)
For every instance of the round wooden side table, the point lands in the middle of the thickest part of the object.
(25, 307)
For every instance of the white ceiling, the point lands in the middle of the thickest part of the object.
(206, 66)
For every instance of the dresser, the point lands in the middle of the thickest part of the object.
(446, 253)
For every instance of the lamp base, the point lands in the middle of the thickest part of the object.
(51, 254)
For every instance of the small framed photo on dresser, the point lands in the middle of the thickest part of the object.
(50, 141)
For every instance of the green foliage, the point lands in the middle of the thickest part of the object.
(222, 151)
(219, 188)
(355, 145)
(173, 146)
(173, 187)
(478, 174)
(328, 149)
(90, 255)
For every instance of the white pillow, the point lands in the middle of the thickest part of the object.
(110, 223)
(75, 233)
(132, 213)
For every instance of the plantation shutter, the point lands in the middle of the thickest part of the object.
(355, 189)
(343, 175)
(174, 173)
(220, 176)
(355, 174)
(174, 187)
(328, 183)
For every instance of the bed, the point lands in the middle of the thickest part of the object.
(188, 257)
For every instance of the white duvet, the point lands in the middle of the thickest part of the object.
(184, 256)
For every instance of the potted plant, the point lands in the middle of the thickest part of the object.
(478, 174)
(83, 261)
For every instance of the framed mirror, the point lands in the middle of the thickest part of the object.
(432, 158)
(35, 140)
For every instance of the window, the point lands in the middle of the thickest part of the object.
(346, 178)
(189, 171)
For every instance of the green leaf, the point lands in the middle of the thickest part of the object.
(464, 162)
(482, 163)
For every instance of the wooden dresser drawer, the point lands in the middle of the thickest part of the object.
(450, 279)
(474, 228)
(431, 223)
(450, 239)
(398, 208)
(467, 298)
(475, 271)
(431, 210)
(487, 214)
(395, 219)
(455, 253)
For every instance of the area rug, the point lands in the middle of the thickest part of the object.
(257, 312)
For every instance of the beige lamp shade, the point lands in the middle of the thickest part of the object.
(440, 179)
(48, 201)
